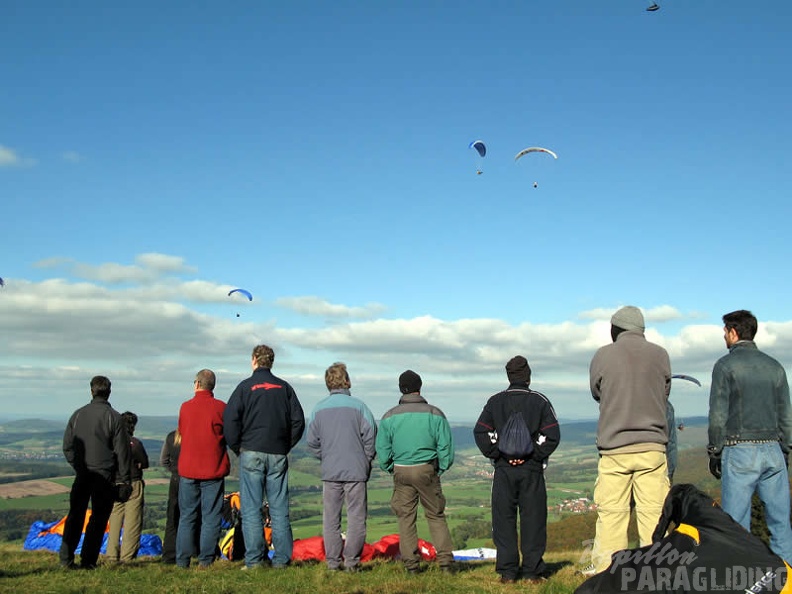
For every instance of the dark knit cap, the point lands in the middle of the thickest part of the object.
(409, 382)
(518, 370)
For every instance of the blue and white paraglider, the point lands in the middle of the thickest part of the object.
(481, 149)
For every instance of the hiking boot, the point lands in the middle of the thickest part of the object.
(535, 581)
(352, 569)
(508, 580)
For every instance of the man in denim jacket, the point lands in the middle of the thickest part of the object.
(750, 431)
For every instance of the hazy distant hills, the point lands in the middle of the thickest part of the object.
(33, 437)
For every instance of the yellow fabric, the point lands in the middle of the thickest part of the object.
(621, 479)
(787, 589)
(691, 531)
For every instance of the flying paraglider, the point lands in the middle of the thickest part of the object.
(2, 282)
(654, 7)
(689, 378)
(481, 149)
(534, 149)
(241, 292)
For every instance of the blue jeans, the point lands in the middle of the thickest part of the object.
(261, 475)
(199, 499)
(760, 467)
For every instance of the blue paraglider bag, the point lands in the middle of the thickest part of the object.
(514, 440)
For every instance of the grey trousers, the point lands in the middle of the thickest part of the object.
(411, 484)
(334, 494)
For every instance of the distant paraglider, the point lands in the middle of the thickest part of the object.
(534, 149)
(654, 7)
(244, 292)
(481, 149)
(2, 282)
(689, 378)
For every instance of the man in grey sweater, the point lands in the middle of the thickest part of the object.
(631, 380)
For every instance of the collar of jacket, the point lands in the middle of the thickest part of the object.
(634, 333)
(411, 397)
(519, 386)
(341, 391)
(746, 344)
(204, 394)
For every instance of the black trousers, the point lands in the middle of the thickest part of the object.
(518, 489)
(93, 487)
(171, 521)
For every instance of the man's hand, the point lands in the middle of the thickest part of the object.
(516, 462)
(123, 492)
(715, 466)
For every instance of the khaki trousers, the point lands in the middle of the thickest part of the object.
(411, 484)
(640, 477)
(128, 514)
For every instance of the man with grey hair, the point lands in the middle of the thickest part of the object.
(631, 380)
(342, 433)
(262, 423)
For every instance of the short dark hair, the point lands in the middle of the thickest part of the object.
(100, 387)
(743, 322)
(130, 419)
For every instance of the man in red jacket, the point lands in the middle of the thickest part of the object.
(203, 466)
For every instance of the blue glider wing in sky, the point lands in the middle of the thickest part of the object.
(242, 292)
(480, 147)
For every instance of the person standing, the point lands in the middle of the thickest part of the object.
(129, 514)
(518, 482)
(342, 433)
(631, 380)
(96, 445)
(415, 445)
(263, 422)
(169, 459)
(750, 431)
(203, 466)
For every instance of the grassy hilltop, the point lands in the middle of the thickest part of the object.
(39, 572)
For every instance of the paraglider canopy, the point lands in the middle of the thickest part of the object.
(2, 282)
(480, 147)
(689, 378)
(534, 149)
(653, 7)
(242, 292)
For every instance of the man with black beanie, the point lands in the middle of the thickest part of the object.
(518, 414)
(414, 444)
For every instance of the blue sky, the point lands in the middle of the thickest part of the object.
(154, 156)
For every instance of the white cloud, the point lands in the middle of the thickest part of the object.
(72, 157)
(314, 306)
(149, 331)
(10, 158)
(661, 313)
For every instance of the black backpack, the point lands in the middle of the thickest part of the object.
(514, 440)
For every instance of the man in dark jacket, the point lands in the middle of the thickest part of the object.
(750, 431)
(262, 423)
(96, 445)
(519, 482)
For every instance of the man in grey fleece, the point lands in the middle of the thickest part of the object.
(631, 380)
(342, 433)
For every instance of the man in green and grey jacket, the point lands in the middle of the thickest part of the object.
(414, 444)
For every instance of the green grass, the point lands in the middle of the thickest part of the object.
(39, 572)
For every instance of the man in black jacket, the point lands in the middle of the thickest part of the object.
(519, 482)
(96, 444)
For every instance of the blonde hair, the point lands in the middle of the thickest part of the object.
(337, 377)
(177, 437)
